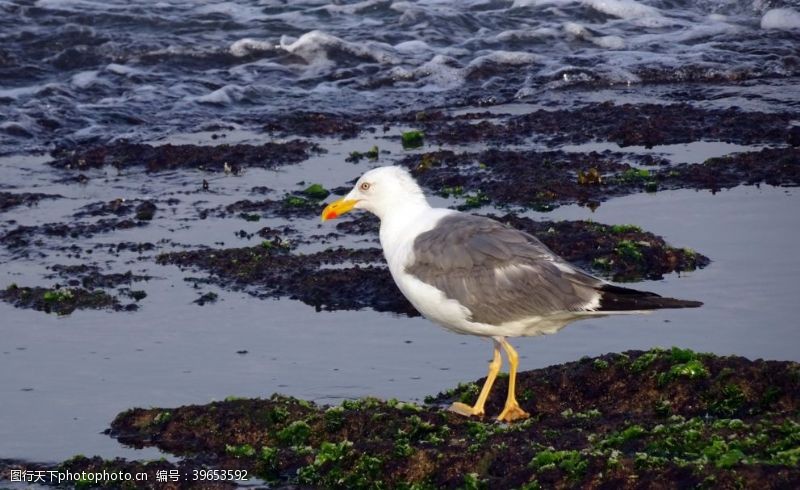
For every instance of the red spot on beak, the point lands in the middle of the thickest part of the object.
(331, 215)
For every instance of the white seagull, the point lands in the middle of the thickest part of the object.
(474, 275)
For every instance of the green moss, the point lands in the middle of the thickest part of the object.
(402, 447)
(602, 263)
(478, 431)
(295, 433)
(635, 175)
(678, 355)
(571, 462)
(472, 481)
(367, 403)
(729, 458)
(468, 392)
(617, 439)
(690, 254)
(727, 401)
(249, 216)
(356, 156)
(693, 369)
(412, 139)
(474, 201)
(276, 415)
(419, 428)
(643, 461)
(789, 457)
(335, 466)
(643, 361)
(404, 485)
(625, 229)
(592, 413)
(527, 395)
(333, 419)
(241, 450)
(451, 191)
(295, 201)
(366, 473)
(162, 418)
(268, 467)
(316, 191)
(663, 408)
(629, 250)
(57, 295)
(770, 396)
(332, 452)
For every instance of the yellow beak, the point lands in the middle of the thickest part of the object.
(338, 208)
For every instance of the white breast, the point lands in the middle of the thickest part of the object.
(397, 239)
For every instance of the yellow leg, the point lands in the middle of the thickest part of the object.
(477, 409)
(512, 410)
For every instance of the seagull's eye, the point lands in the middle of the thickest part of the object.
(364, 186)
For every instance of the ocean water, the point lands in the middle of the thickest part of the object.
(82, 70)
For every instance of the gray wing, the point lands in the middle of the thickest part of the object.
(501, 274)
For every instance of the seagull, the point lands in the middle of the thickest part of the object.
(474, 275)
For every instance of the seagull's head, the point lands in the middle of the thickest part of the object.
(379, 191)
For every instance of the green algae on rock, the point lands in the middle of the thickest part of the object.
(157, 158)
(591, 428)
(412, 139)
(625, 124)
(363, 281)
(543, 180)
(61, 301)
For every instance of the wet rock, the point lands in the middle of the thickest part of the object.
(235, 158)
(772, 166)
(340, 278)
(22, 236)
(793, 138)
(626, 124)
(540, 180)
(61, 301)
(292, 205)
(544, 180)
(366, 223)
(145, 211)
(89, 276)
(618, 252)
(274, 272)
(671, 418)
(206, 298)
(133, 247)
(314, 124)
(118, 207)
(74, 179)
(261, 189)
(10, 200)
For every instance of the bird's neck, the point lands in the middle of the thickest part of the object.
(396, 220)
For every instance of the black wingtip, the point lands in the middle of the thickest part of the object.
(616, 298)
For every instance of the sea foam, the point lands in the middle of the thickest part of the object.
(784, 19)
